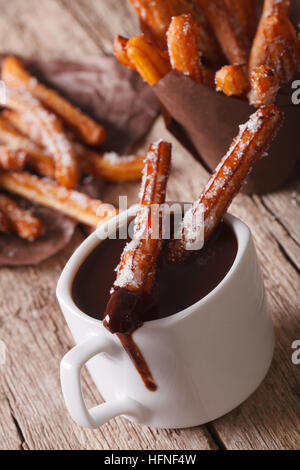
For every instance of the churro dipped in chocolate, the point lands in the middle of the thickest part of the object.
(136, 271)
(248, 147)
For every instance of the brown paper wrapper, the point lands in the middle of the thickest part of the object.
(206, 122)
(116, 97)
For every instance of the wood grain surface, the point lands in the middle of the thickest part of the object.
(33, 415)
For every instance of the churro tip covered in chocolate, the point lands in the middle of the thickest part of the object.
(136, 271)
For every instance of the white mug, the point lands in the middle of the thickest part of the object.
(205, 360)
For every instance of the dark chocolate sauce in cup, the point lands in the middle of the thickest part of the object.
(177, 286)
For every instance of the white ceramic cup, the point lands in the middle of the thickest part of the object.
(205, 360)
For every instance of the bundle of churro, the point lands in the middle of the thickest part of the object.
(195, 37)
(46, 145)
(210, 62)
(142, 256)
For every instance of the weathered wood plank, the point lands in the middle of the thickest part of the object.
(285, 206)
(104, 20)
(10, 436)
(283, 221)
(42, 28)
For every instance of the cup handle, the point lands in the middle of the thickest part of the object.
(70, 375)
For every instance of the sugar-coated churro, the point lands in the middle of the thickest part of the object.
(136, 271)
(264, 86)
(48, 193)
(232, 80)
(35, 157)
(109, 166)
(16, 76)
(147, 60)
(245, 13)
(183, 46)
(120, 51)
(276, 43)
(22, 222)
(232, 39)
(249, 146)
(11, 159)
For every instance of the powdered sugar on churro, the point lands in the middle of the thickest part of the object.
(253, 140)
(50, 130)
(116, 159)
(217, 182)
(140, 254)
(46, 192)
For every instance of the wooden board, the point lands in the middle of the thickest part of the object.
(33, 415)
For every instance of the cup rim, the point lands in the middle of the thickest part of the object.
(65, 282)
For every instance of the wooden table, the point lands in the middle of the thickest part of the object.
(32, 411)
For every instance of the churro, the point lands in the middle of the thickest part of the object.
(264, 86)
(111, 166)
(74, 204)
(232, 80)
(183, 46)
(11, 159)
(245, 13)
(155, 18)
(147, 60)
(35, 157)
(276, 45)
(108, 166)
(22, 222)
(248, 147)
(16, 76)
(20, 122)
(136, 271)
(52, 132)
(232, 39)
(120, 51)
